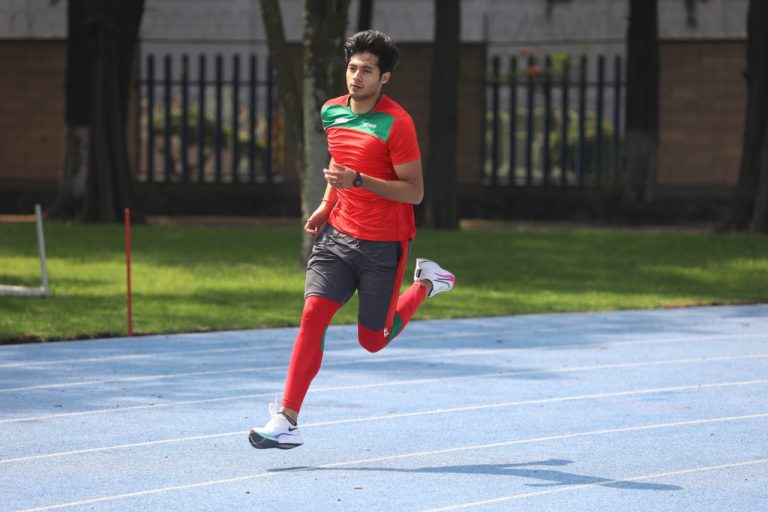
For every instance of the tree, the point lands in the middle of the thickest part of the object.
(749, 206)
(324, 24)
(97, 183)
(441, 209)
(641, 140)
(365, 15)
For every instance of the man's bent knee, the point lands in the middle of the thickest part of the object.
(371, 340)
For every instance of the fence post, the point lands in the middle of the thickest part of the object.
(219, 101)
(252, 119)
(235, 117)
(616, 115)
(167, 159)
(184, 117)
(495, 78)
(201, 119)
(512, 119)
(150, 117)
(547, 116)
(599, 120)
(529, 124)
(564, 93)
(268, 152)
(582, 117)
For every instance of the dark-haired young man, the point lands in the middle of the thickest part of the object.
(363, 227)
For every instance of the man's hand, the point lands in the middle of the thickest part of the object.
(339, 176)
(407, 188)
(317, 220)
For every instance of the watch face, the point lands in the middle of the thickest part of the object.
(358, 180)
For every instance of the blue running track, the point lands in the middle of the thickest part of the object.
(621, 411)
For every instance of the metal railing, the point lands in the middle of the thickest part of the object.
(549, 123)
(548, 128)
(208, 128)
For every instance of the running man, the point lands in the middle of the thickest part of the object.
(363, 227)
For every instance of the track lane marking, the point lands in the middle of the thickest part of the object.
(594, 396)
(511, 373)
(208, 483)
(353, 342)
(364, 360)
(578, 487)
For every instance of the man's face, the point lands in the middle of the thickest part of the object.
(364, 79)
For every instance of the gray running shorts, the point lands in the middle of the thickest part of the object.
(340, 264)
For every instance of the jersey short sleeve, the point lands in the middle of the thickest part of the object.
(403, 142)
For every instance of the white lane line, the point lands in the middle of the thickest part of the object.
(251, 369)
(499, 374)
(578, 487)
(142, 356)
(255, 346)
(365, 360)
(560, 437)
(539, 401)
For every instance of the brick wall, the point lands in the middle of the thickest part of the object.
(32, 105)
(703, 100)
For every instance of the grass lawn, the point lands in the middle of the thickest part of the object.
(215, 278)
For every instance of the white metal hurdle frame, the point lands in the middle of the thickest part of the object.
(42, 291)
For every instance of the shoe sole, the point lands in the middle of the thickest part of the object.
(261, 443)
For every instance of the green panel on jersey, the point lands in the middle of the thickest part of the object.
(377, 124)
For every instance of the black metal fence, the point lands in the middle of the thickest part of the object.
(547, 127)
(208, 128)
(547, 124)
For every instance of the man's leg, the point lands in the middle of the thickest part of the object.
(329, 284)
(429, 280)
(307, 355)
(282, 430)
(374, 340)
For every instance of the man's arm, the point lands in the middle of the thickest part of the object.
(407, 188)
(317, 220)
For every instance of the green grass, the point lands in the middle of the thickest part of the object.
(216, 278)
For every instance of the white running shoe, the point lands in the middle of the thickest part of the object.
(279, 432)
(441, 279)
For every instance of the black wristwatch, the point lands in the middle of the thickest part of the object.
(358, 180)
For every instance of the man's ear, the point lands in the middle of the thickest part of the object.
(385, 77)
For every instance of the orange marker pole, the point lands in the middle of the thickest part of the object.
(128, 269)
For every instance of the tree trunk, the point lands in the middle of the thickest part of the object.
(323, 71)
(287, 83)
(109, 30)
(759, 222)
(641, 140)
(440, 210)
(365, 15)
(71, 191)
(324, 26)
(744, 211)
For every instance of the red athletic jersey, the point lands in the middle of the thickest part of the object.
(372, 144)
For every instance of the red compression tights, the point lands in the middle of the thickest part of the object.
(307, 355)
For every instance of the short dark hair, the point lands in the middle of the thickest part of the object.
(377, 43)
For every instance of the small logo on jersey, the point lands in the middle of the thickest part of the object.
(369, 125)
(386, 333)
